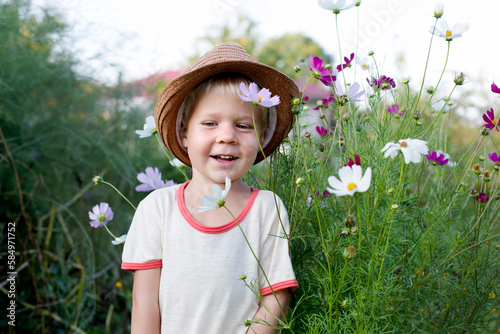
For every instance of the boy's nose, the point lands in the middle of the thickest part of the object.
(226, 135)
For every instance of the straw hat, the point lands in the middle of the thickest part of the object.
(225, 58)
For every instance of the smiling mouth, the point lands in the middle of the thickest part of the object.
(224, 158)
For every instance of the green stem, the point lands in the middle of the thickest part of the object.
(118, 191)
(169, 158)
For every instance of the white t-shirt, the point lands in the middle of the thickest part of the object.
(200, 287)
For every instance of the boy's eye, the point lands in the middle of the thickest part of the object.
(244, 126)
(209, 123)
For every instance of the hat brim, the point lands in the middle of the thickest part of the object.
(173, 95)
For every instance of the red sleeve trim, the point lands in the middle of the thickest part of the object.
(139, 266)
(291, 284)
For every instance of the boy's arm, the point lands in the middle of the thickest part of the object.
(262, 317)
(145, 302)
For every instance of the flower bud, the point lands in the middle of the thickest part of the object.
(481, 158)
(477, 169)
(438, 10)
(307, 134)
(349, 252)
(309, 171)
(328, 66)
(346, 116)
(371, 53)
(406, 81)
(97, 179)
(322, 116)
(390, 191)
(345, 232)
(299, 181)
(296, 101)
(349, 221)
(357, 3)
(296, 68)
(459, 79)
(486, 176)
(419, 123)
(354, 230)
(394, 207)
(319, 104)
(430, 89)
(243, 277)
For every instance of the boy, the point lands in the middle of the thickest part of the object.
(189, 265)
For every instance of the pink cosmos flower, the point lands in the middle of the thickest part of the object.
(319, 72)
(100, 215)
(495, 89)
(494, 157)
(491, 122)
(356, 161)
(325, 102)
(262, 97)
(383, 82)
(348, 62)
(322, 131)
(482, 198)
(151, 180)
(437, 159)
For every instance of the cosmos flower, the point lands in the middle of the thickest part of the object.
(436, 158)
(494, 88)
(262, 97)
(151, 180)
(322, 131)
(335, 6)
(354, 92)
(448, 33)
(384, 82)
(351, 181)
(482, 198)
(491, 122)
(100, 215)
(149, 128)
(323, 103)
(119, 240)
(319, 72)
(348, 62)
(363, 62)
(494, 157)
(217, 200)
(356, 161)
(412, 149)
(394, 110)
(448, 157)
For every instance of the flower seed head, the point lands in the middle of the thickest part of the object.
(349, 221)
(459, 79)
(349, 252)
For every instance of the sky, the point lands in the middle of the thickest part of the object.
(140, 38)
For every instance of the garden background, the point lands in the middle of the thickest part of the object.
(69, 109)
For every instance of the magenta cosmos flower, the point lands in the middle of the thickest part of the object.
(262, 97)
(348, 62)
(495, 89)
(319, 72)
(322, 131)
(436, 158)
(356, 161)
(100, 215)
(491, 122)
(482, 198)
(494, 157)
(383, 82)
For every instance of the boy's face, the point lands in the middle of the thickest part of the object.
(220, 138)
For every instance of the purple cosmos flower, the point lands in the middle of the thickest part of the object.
(100, 215)
(151, 180)
(262, 97)
(473, 192)
(394, 109)
(494, 157)
(437, 159)
(348, 62)
(356, 161)
(319, 72)
(354, 92)
(322, 131)
(482, 198)
(383, 82)
(491, 122)
(495, 89)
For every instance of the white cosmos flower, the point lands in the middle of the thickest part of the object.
(412, 149)
(217, 200)
(119, 240)
(363, 62)
(351, 181)
(354, 92)
(448, 33)
(335, 6)
(149, 128)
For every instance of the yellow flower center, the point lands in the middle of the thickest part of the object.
(448, 33)
(351, 186)
(365, 66)
(403, 144)
(260, 99)
(494, 122)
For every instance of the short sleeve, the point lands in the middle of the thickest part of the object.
(274, 256)
(143, 249)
